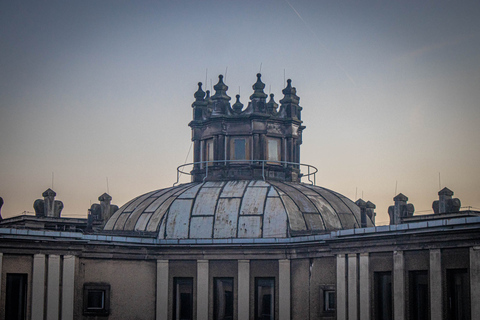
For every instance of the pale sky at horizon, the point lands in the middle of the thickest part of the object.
(94, 89)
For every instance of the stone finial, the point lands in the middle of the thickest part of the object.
(272, 105)
(200, 104)
(237, 106)
(400, 209)
(220, 100)
(100, 213)
(258, 89)
(363, 212)
(290, 94)
(199, 94)
(220, 90)
(371, 211)
(289, 107)
(48, 207)
(446, 204)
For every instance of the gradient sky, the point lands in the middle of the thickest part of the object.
(91, 90)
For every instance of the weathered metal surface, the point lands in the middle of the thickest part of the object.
(201, 227)
(303, 203)
(159, 214)
(273, 193)
(295, 217)
(132, 219)
(142, 221)
(120, 223)
(226, 218)
(111, 222)
(206, 201)
(236, 209)
(213, 184)
(329, 216)
(249, 227)
(178, 219)
(139, 200)
(258, 183)
(190, 192)
(274, 218)
(254, 200)
(234, 188)
(314, 221)
(343, 211)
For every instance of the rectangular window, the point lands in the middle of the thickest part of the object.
(209, 151)
(273, 149)
(264, 298)
(383, 295)
(16, 296)
(183, 298)
(240, 149)
(418, 298)
(329, 300)
(458, 294)
(223, 299)
(96, 299)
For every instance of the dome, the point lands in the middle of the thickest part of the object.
(236, 209)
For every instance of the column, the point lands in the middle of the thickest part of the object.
(398, 285)
(162, 290)
(352, 287)
(202, 289)
(68, 286)
(341, 288)
(436, 284)
(38, 286)
(364, 286)
(243, 289)
(53, 287)
(284, 289)
(475, 280)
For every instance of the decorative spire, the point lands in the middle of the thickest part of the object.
(220, 90)
(200, 94)
(258, 89)
(272, 105)
(237, 106)
(290, 94)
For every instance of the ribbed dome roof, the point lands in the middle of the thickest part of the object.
(236, 209)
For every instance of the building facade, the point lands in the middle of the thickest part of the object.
(246, 239)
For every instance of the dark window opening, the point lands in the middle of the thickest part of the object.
(458, 294)
(264, 298)
(383, 295)
(223, 299)
(183, 299)
(418, 298)
(96, 299)
(240, 149)
(329, 300)
(16, 296)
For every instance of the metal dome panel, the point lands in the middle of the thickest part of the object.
(236, 209)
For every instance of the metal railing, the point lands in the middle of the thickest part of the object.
(311, 170)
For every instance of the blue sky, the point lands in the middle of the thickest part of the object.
(91, 90)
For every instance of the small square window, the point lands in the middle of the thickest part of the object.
(96, 299)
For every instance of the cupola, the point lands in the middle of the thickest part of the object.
(260, 141)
